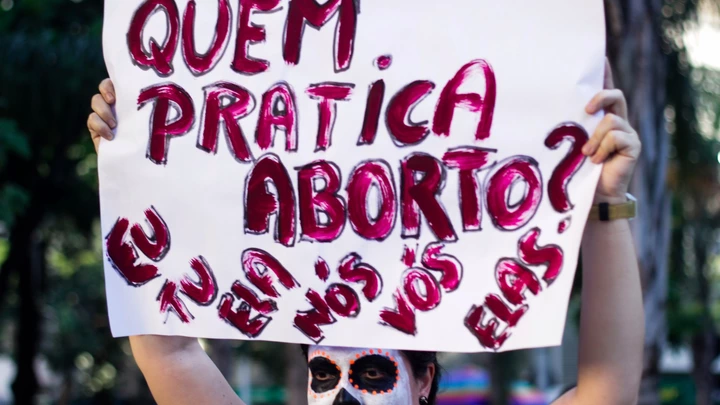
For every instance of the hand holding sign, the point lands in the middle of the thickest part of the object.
(614, 138)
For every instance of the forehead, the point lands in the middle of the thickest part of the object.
(348, 353)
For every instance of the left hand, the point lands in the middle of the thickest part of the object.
(614, 143)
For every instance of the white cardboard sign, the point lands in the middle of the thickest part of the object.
(395, 174)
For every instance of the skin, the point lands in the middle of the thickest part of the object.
(612, 323)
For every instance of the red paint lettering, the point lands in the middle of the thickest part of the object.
(248, 34)
(314, 201)
(448, 265)
(426, 297)
(327, 94)
(353, 270)
(408, 257)
(532, 254)
(322, 269)
(123, 256)
(469, 160)
(309, 322)
(317, 15)
(205, 291)
(376, 95)
(239, 104)
(503, 312)
(514, 279)
(343, 300)
(564, 172)
(156, 245)
(161, 128)
(423, 196)
(486, 334)
(508, 215)
(265, 307)
(160, 56)
(260, 202)
(450, 99)
(402, 318)
(404, 131)
(171, 302)
(278, 111)
(201, 64)
(259, 267)
(365, 176)
(240, 318)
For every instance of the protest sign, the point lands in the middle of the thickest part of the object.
(395, 174)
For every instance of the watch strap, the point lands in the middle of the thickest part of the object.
(610, 212)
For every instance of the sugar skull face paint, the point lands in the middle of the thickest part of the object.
(357, 376)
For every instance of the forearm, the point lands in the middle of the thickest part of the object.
(612, 320)
(178, 371)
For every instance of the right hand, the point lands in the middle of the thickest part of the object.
(102, 121)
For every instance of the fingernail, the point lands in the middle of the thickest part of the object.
(111, 98)
(113, 124)
(586, 149)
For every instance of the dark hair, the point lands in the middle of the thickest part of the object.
(419, 362)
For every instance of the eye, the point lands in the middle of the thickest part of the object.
(323, 376)
(374, 374)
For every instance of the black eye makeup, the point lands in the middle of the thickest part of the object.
(374, 374)
(325, 374)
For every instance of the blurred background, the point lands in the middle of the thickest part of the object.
(55, 344)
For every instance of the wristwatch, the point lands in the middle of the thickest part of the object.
(609, 212)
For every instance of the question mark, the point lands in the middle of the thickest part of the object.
(566, 169)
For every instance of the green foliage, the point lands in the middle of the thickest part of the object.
(693, 115)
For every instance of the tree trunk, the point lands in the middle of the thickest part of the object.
(296, 376)
(635, 50)
(30, 267)
(703, 344)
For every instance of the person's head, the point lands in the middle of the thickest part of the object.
(370, 376)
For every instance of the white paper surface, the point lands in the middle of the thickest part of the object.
(547, 58)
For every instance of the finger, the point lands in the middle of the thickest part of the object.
(620, 143)
(608, 82)
(96, 139)
(611, 101)
(95, 123)
(609, 123)
(103, 110)
(107, 89)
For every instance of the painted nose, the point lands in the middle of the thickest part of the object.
(344, 398)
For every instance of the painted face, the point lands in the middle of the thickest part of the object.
(357, 376)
